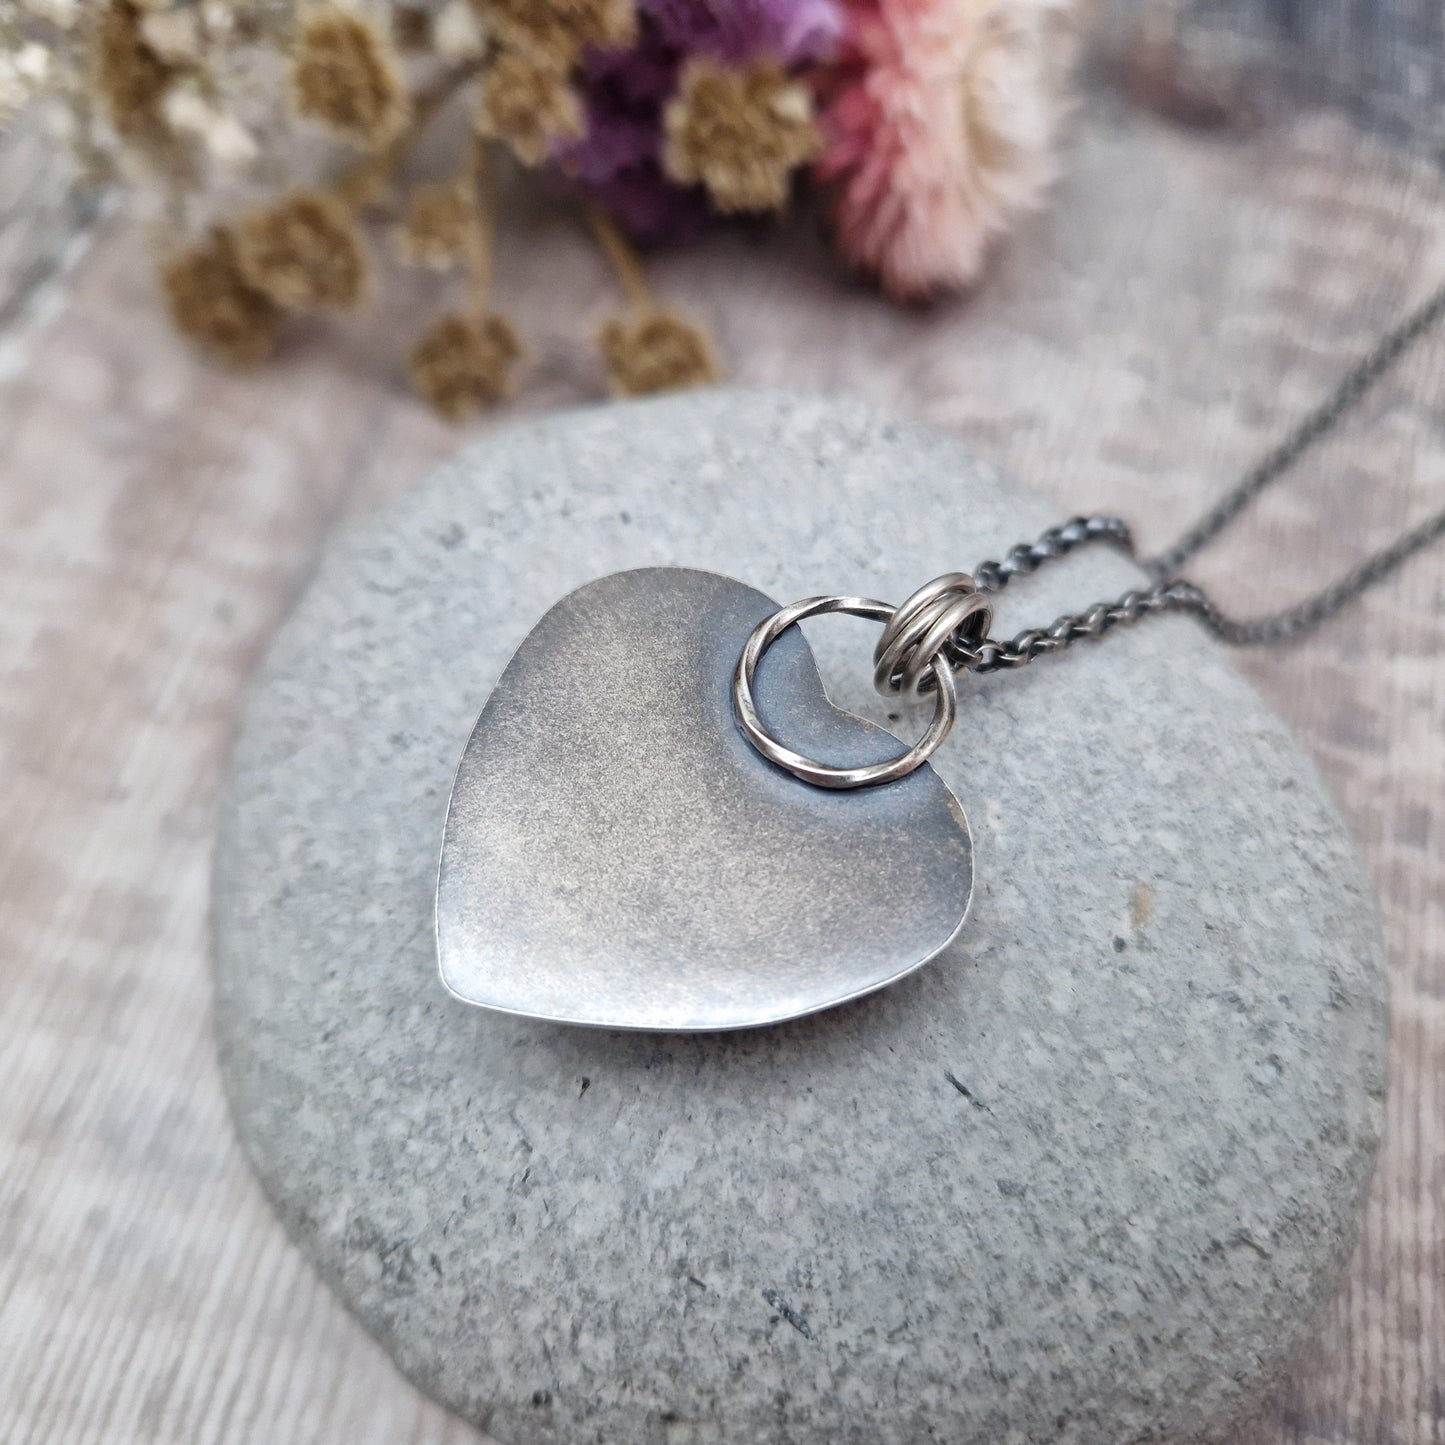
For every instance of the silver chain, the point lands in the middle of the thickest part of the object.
(1170, 592)
(944, 625)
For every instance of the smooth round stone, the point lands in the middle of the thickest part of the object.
(1085, 1177)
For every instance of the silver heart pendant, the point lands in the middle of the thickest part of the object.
(617, 854)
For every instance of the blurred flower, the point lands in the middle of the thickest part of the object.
(226, 140)
(343, 76)
(303, 252)
(791, 32)
(657, 351)
(458, 33)
(741, 133)
(461, 364)
(61, 13)
(528, 101)
(212, 303)
(438, 221)
(174, 35)
(131, 77)
(939, 130)
(412, 28)
(22, 73)
(561, 29)
(618, 162)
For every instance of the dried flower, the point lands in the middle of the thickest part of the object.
(528, 102)
(458, 33)
(461, 364)
(657, 351)
(562, 29)
(174, 35)
(226, 140)
(303, 252)
(438, 221)
(131, 77)
(412, 27)
(22, 73)
(618, 162)
(343, 75)
(792, 32)
(739, 132)
(940, 130)
(212, 303)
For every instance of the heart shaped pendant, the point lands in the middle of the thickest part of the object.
(617, 853)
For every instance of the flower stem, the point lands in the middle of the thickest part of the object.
(358, 187)
(480, 179)
(624, 259)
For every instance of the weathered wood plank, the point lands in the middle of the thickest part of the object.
(1189, 297)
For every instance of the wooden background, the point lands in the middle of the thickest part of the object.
(1206, 271)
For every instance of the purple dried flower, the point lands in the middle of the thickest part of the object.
(618, 160)
(793, 32)
(652, 209)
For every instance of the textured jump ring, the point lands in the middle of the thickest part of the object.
(824, 775)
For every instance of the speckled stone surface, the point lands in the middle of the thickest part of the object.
(1084, 1178)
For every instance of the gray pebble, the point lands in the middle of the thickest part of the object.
(1083, 1179)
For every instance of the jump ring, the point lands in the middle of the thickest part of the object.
(824, 775)
(935, 619)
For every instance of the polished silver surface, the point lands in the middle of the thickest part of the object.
(616, 852)
(810, 770)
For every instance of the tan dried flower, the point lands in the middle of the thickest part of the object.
(461, 364)
(561, 29)
(437, 224)
(411, 27)
(212, 303)
(657, 351)
(344, 76)
(528, 102)
(304, 252)
(131, 78)
(740, 133)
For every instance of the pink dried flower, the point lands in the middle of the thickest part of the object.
(938, 127)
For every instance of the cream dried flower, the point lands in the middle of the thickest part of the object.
(226, 140)
(174, 35)
(458, 32)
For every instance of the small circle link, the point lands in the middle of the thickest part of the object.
(825, 775)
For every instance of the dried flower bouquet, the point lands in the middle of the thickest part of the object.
(928, 125)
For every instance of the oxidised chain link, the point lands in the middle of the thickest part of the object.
(1171, 593)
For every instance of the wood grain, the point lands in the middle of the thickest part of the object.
(1187, 298)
